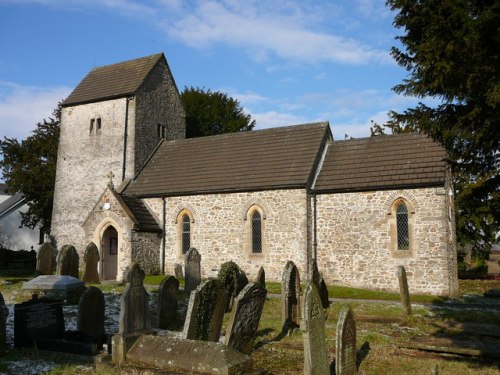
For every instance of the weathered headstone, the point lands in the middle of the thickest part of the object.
(403, 290)
(290, 296)
(205, 312)
(245, 317)
(192, 269)
(68, 261)
(313, 333)
(91, 314)
(4, 313)
(178, 271)
(167, 301)
(46, 259)
(261, 277)
(234, 280)
(91, 261)
(345, 345)
(319, 282)
(323, 294)
(134, 317)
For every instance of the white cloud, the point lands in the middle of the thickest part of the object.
(22, 107)
(273, 119)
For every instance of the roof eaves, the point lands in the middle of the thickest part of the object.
(96, 100)
(380, 187)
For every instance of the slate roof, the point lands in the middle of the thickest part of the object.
(276, 158)
(113, 81)
(382, 162)
(11, 203)
(145, 221)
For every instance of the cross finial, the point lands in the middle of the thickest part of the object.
(110, 175)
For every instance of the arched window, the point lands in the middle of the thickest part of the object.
(256, 232)
(186, 233)
(402, 227)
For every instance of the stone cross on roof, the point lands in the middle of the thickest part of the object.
(110, 175)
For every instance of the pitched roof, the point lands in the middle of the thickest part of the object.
(145, 220)
(113, 81)
(11, 203)
(383, 162)
(263, 159)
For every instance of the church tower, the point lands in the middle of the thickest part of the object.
(111, 122)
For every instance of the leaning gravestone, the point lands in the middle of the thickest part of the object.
(134, 317)
(319, 282)
(345, 346)
(45, 259)
(261, 277)
(193, 270)
(178, 271)
(167, 301)
(68, 261)
(4, 313)
(245, 317)
(91, 314)
(91, 261)
(313, 333)
(323, 294)
(403, 290)
(205, 312)
(234, 280)
(290, 296)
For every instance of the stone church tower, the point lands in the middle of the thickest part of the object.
(111, 122)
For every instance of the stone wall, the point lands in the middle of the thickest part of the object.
(146, 251)
(354, 240)
(222, 232)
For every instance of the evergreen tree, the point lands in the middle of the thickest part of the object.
(213, 112)
(29, 167)
(451, 50)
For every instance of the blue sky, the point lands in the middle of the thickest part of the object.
(286, 61)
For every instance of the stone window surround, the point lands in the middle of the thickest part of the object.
(248, 242)
(95, 125)
(392, 223)
(179, 229)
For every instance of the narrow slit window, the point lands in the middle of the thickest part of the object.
(256, 232)
(91, 128)
(98, 121)
(402, 227)
(186, 233)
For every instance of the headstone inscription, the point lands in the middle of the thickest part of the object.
(4, 313)
(290, 297)
(313, 333)
(168, 294)
(91, 310)
(205, 312)
(178, 271)
(345, 345)
(37, 319)
(245, 317)
(193, 270)
(46, 259)
(68, 261)
(403, 290)
(261, 276)
(91, 261)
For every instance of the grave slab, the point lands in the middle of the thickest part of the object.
(61, 287)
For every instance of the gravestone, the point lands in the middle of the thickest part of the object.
(403, 290)
(68, 261)
(37, 319)
(193, 270)
(91, 310)
(134, 317)
(91, 261)
(290, 297)
(323, 294)
(245, 318)
(313, 333)
(167, 301)
(234, 280)
(178, 271)
(205, 312)
(261, 277)
(319, 282)
(4, 313)
(345, 345)
(45, 259)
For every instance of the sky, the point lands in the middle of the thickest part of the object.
(287, 62)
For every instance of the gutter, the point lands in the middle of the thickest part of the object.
(125, 137)
(163, 244)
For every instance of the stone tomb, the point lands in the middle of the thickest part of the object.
(313, 333)
(290, 297)
(68, 261)
(46, 259)
(205, 312)
(245, 318)
(168, 295)
(4, 313)
(345, 345)
(403, 290)
(91, 262)
(63, 287)
(193, 270)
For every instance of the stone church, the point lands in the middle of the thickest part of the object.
(129, 181)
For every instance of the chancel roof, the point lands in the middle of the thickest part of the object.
(276, 158)
(382, 162)
(113, 81)
(144, 219)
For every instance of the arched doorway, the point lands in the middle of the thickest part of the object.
(109, 253)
